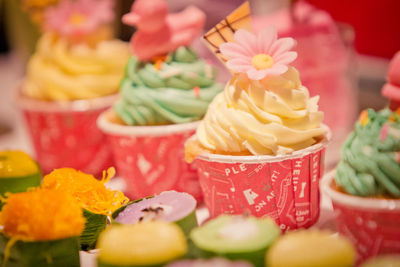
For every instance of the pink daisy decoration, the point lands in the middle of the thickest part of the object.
(80, 17)
(259, 55)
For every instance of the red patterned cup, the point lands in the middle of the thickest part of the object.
(372, 224)
(64, 134)
(151, 158)
(285, 188)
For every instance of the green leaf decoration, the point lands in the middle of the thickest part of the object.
(102, 264)
(55, 253)
(95, 224)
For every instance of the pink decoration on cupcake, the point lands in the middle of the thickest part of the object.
(391, 89)
(82, 17)
(384, 132)
(196, 91)
(259, 55)
(158, 32)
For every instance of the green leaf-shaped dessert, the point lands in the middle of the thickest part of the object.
(97, 201)
(18, 172)
(40, 228)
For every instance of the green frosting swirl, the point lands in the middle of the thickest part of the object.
(370, 157)
(150, 96)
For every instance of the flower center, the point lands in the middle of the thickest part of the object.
(77, 19)
(262, 61)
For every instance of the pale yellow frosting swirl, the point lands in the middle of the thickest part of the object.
(273, 116)
(59, 71)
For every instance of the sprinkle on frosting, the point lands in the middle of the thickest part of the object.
(259, 55)
(384, 132)
(91, 193)
(364, 118)
(196, 91)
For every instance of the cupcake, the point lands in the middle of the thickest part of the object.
(40, 228)
(97, 201)
(261, 145)
(164, 93)
(365, 188)
(236, 237)
(311, 248)
(144, 244)
(18, 172)
(71, 78)
(170, 206)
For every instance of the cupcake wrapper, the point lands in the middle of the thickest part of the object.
(285, 188)
(151, 158)
(371, 224)
(66, 135)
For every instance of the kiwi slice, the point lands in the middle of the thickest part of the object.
(236, 237)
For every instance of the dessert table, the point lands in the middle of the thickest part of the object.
(13, 135)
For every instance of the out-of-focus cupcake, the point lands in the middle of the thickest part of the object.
(261, 145)
(365, 189)
(71, 78)
(165, 92)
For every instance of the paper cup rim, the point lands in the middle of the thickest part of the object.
(355, 201)
(267, 158)
(31, 104)
(153, 130)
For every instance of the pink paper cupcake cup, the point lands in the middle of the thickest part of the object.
(150, 159)
(372, 224)
(285, 188)
(64, 134)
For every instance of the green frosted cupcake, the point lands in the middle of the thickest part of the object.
(370, 156)
(236, 237)
(175, 90)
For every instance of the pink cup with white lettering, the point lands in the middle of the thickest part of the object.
(64, 133)
(285, 188)
(372, 224)
(150, 159)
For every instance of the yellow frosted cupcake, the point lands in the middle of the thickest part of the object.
(261, 144)
(71, 78)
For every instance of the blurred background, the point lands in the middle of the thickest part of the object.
(344, 49)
